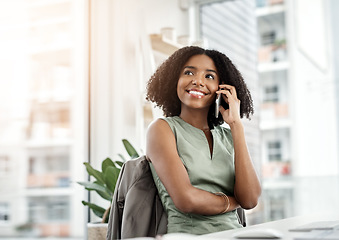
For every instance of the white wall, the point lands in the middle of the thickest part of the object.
(334, 6)
(315, 139)
(118, 30)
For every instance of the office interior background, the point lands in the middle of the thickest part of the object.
(72, 86)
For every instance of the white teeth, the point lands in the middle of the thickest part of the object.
(196, 93)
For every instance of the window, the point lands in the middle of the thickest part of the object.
(58, 211)
(43, 107)
(274, 151)
(49, 209)
(268, 38)
(278, 205)
(271, 94)
(4, 212)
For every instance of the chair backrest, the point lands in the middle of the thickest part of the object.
(241, 216)
(135, 198)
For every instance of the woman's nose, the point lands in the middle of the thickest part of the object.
(198, 81)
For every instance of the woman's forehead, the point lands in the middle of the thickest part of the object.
(200, 61)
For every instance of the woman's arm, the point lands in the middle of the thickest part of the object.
(247, 187)
(162, 152)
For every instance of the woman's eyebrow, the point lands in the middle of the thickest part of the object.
(211, 70)
(191, 67)
(208, 70)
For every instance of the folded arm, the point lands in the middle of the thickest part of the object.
(161, 150)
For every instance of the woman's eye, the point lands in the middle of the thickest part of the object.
(188, 73)
(209, 76)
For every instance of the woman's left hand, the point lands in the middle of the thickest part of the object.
(229, 94)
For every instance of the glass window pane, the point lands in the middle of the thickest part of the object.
(42, 117)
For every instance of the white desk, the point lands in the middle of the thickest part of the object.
(281, 225)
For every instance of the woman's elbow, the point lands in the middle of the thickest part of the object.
(185, 208)
(184, 204)
(249, 204)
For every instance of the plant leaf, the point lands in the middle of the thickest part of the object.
(107, 162)
(107, 192)
(130, 149)
(106, 195)
(100, 189)
(95, 173)
(122, 157)
(97, 210)
(92, 186)
(119, 163)
(111, 176)
(101, 184)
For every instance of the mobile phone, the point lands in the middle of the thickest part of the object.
(217, 104)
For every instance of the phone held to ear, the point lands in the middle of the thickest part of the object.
(217, 104)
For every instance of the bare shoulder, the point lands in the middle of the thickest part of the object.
(159, 130)
(158, 126)
(160, 139)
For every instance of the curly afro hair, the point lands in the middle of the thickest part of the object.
(162, 86)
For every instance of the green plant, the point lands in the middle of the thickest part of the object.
(26, 227)
(279, 43)
(105, 180)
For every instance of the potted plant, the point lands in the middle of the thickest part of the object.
(104, 185)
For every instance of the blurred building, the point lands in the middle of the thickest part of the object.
(43, 120)
(276, 108)
(298, 105)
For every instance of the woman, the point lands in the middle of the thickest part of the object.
(202, 171)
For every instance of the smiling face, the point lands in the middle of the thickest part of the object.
(198, 82)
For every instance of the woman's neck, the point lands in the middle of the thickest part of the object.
(197, 119)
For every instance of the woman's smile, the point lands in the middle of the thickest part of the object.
(196, 93)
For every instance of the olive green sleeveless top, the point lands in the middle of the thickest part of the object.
(210, 173)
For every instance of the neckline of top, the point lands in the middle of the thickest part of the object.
(190, 125)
